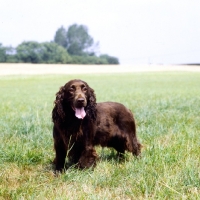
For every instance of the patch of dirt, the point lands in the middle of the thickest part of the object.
(30, 69)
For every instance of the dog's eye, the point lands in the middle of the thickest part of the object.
(71, 89)
(84, 89)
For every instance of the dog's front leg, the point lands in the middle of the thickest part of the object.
(88, 158)
(60, 151)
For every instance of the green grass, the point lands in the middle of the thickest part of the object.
(167, 111)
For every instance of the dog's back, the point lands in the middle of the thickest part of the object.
(115, 127)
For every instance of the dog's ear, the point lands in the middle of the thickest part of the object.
(58, 113)
(91, 105)
(92, 96)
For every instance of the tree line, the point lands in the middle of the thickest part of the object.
(70, 46)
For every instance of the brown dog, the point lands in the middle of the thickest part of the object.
(80, 123)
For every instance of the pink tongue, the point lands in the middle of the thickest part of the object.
(80, 113)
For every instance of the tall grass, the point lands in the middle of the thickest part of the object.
(166, 108)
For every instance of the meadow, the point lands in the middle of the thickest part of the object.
(166, 106)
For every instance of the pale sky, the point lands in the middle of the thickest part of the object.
(135, 31)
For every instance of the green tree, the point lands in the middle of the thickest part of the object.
(11, 56)
(61, 37)
(76, 40)
(53, 53)
(2, 53)
(47, 52)
(110, 59)
(91, 60)
(30, 52)
(7, 54)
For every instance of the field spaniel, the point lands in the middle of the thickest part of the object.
(80, 124)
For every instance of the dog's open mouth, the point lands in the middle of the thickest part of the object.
(79, 112)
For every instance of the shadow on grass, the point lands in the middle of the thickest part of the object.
(112, 156)
(108, 156)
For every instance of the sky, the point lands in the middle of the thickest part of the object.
(135, 31)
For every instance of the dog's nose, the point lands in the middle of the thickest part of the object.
(80, 100)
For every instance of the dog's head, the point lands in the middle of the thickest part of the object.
(77, 93)
(78, 96)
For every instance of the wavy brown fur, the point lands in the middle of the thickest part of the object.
(107, 124)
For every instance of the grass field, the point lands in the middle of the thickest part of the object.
(166, 106)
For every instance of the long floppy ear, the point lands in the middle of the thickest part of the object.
(58, 113)
(91, 105)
